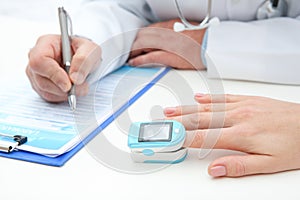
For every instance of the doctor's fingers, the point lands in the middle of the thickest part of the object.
(138, 46)
(136, 52)
(45, 61)
(204, 120)
(208, 107)
(86, 58)
(161, 57)
(45, 88)
(49, 91)
(48, 68)
(172, 42)
(46, 46)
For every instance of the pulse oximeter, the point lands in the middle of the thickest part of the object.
(157, 142)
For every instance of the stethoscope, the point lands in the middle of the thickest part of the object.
(185, 25)
(269, 9)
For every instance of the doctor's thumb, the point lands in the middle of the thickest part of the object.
(237, 166)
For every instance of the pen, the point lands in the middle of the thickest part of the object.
(66, 50)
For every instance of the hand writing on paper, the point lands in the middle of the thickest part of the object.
(158, 43)
(267, 130)
(45, 71)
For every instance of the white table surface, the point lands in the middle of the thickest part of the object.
(83, 177)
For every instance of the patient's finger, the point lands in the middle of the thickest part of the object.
(203, 120)
(219, 98)
(189, 109)
(224, 138)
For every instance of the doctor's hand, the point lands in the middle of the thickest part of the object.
(267, 130)
(158, 43)
(45, 71)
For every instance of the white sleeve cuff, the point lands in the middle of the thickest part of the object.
(265, 50)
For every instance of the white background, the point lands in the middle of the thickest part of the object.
(83, 177)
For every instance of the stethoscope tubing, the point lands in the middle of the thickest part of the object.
(189, 26)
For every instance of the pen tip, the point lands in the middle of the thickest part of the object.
(72, 102)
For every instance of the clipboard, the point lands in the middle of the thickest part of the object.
(63, 158)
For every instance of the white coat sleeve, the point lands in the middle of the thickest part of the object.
(264, 50)
(112, 25)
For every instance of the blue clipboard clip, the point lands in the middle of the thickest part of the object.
(8, 143)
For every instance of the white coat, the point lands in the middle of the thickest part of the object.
(240, 47)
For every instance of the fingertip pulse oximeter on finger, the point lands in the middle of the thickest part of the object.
(157, 142)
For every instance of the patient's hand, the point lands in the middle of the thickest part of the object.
(267, 130)
(158, 43)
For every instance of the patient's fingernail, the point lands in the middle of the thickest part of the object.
(199, 95)
(218, 171)
(169, 111)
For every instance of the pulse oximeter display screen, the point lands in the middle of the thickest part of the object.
(156, 132)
